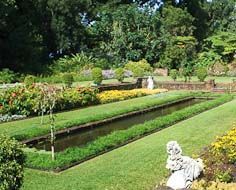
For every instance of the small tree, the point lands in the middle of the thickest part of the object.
(97, 75)
(174, 74)
(11, 164)
(201, 73)
(119, 73)
(49, 98)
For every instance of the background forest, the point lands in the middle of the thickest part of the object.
(173, 34)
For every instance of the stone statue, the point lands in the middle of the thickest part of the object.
(184, 169)
(150, 82)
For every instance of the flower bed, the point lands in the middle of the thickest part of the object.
(76, 155)
(118, 95)
(220, 159)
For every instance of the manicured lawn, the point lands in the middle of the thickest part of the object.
(28, 128)
(139, 165)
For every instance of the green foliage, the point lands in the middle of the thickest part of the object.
(177, 21)
(12, 160)
(72, 63)
(201, 73)
(68, 79)
(97, 75)
(207, 59)
(117, 138)
(29, 80)
(139, 68)
(174, 74)
(178, 50)
(119, 74)
(7, 76)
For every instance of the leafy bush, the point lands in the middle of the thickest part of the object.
(97, 75)
(29, 80)
(11, 164)
(139, 68)
(174, 74)
(7, 76)
(119, 73)
(68, 79)
(201, 73)
(212, 185)
(117, 138)
(118, 95)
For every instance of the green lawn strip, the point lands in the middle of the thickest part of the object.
(28, 128)
(74, 155)
(139, 165)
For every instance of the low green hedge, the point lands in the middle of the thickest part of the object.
(71, 156)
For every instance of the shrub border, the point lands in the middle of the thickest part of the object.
(74, 156)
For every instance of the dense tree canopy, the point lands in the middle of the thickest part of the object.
(167, 33)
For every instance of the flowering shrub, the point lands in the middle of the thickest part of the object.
(26, 100)
(220, 158)
(204, 185)
(118, 95)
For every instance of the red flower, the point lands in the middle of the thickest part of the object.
(13, 94)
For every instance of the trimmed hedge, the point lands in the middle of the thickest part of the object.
(75, 155)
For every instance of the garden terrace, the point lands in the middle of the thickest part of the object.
(141, 164)
(75, 155)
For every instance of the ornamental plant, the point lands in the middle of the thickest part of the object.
(201, 73)
(68, 79)
(119, 73)
(12, 160)
(29, 80)
(97, 75)
(174, 74)
(139, 68)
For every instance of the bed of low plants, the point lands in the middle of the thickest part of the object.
(71, 156)
(118, 95)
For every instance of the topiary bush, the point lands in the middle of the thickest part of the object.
(68, 79)
(201, 73)
(119, 74)
(12, 160)
(29, 80)
(97, 75)
(173, 74)
(139, 68)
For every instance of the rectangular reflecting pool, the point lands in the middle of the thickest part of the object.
(88, 134)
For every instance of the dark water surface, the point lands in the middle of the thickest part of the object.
(80, 138)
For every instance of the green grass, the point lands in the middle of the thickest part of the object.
(139, 165)
(29, 128)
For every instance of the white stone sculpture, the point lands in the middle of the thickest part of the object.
(150, 82)
(184, 169)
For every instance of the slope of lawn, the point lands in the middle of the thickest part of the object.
(139, 165)
(28, 128)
